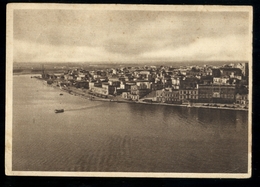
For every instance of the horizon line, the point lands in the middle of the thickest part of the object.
(136, 62)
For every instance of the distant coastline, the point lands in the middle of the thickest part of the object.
(33, 72)
(21, 68)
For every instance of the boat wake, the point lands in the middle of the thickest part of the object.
(85, 108)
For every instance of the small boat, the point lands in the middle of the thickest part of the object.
(59, 110)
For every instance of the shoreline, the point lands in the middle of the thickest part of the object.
(85, 95)
(194, 106)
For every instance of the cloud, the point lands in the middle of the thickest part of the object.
(34, 52)
(88, 35)
(222, 48)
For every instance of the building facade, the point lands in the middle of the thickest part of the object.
(138, 92)
(167, 96)
(188, 95)
(126, 95)
(217, 93)
(242, 99)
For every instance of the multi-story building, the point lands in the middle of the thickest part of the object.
(216, 72)
(126, 95)
(167, 96)
(189, 83)
(82, 84)
(217, 93)
(138, 92)
(244, 69)
(114, 83)
(99, 91)
(145, 75)
(221, 80)
(176, 81)
(226, 71)
(167, 81)
(157, 85)
(188, 95)
(142, 84)
(208, 79)
(194, 71)
(110, 88)
(93, 84)
(104, 89)
(242, 99)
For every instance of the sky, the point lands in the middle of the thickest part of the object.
(41, 35)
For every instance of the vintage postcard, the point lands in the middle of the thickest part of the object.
(129, 90)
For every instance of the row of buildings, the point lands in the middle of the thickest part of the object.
(204, 94)
(203, 84)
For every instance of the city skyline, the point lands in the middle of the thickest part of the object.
(58, 35)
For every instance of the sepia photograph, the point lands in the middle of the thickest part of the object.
(157, 91)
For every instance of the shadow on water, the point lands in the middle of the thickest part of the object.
(84, 108)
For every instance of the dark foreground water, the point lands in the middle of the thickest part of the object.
(107, 136)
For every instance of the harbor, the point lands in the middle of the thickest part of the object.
(109, 136)
(82, 92)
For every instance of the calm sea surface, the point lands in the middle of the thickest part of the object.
(108, 136)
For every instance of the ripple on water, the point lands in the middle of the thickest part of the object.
(106, 136)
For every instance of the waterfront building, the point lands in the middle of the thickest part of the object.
(167, 96)
(138, 92)
(102, 90)
(82, 84)
(242, 99)
(216, 93)
(126, 95)
(188, 95)
(93, 84)
(110, 88)
(99, 91)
